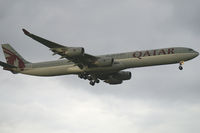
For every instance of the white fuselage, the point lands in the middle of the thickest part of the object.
(121, 61)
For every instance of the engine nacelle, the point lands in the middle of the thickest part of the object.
(117, 78)
(69, 51)
(74, 51)
(104, 62)
(122, 75)
(113, 81)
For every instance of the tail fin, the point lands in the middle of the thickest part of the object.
(13, 58)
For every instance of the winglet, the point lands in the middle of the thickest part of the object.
(26, 32)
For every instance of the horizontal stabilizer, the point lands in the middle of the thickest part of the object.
(5, 65)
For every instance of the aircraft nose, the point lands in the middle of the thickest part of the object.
(196, 53)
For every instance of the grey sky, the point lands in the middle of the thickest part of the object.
(156, 99)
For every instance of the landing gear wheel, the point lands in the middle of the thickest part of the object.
(92, 83)
(180, 65)
(80, 76)
(97, 81)
(89, 77)
(84, 77)
(180, 68)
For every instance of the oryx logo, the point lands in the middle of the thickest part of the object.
(13, 59)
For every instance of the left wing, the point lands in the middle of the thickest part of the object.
(74, 54)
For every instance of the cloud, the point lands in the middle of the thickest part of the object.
(186, 15)
(49, 108)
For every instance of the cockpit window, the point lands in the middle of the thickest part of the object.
(191, 50)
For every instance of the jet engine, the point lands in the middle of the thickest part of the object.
(104, 62)
(122, 75)
(75, 51)
(117, 78)
(70, 51)
(113, 81)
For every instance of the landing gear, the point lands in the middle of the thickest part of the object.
(97, 81)
(180, 65)
(80, 76)
(89, 77)
(180, 68)
(92, 78)
(92, 83)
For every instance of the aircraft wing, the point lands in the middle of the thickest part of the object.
(74, 54)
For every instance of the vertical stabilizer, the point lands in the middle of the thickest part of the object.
(13, 58)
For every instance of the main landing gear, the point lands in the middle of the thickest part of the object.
(180, 65)
(92, 82)
(91, 78)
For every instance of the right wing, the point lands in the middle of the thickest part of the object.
(74, 54)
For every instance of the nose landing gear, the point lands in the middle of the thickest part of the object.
(180, 65)
(180, 68)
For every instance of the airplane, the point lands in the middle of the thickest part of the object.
(108, 68)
